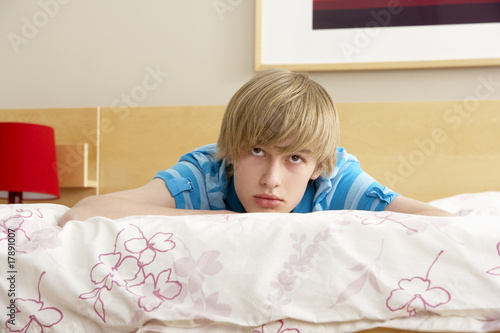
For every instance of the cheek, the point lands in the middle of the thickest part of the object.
(298, 182)
(243, 173)
(299, 186)
(240, 168)
(305, 177)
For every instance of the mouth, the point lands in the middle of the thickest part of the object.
(268, 200)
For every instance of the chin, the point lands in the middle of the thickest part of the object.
(267, 210)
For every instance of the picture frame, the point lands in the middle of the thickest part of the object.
(284, 38)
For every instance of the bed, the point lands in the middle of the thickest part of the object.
(338, 271)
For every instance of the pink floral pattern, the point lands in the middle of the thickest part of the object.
(153, 292)
(31, 231)
(416, 294)
(276, 273)
(412, 223)
(32, 315)
(204, 308)
(147, 248)
(273, 328)
(113, 269)
(195, 271)
(495, 270)
(297, 263)
(369, 272)
(126, 269)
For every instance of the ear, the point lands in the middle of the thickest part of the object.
(317, 172)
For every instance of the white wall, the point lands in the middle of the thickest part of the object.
(78, 53)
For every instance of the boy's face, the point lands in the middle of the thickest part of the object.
(266, 180)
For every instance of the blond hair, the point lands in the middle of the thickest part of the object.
(275, 106)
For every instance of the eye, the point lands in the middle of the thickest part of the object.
(257, 151)
(295, 159)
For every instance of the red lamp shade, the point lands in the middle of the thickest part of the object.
(28, 165)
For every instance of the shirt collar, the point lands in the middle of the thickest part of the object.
(231, 200)
(306, 203)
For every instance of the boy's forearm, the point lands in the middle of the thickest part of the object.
(402, 204)
(115, 207)
(433, 212)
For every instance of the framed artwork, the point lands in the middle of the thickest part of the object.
(322, 35)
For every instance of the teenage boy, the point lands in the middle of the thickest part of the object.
(277, 152)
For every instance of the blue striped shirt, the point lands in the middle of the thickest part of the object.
(199, 181)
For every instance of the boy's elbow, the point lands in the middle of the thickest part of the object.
(68, 216)
(78, 212)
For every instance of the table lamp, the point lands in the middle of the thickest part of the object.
(28, 165)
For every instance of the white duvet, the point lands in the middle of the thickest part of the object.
(339, 271)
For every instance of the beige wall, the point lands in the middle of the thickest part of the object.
(76, 53)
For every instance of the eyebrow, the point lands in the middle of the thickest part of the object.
(303, 151)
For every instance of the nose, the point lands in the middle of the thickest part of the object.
(272, 175)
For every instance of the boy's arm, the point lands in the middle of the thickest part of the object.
(402, 204)
(151, 199)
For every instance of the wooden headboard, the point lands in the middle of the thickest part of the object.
(424, 150)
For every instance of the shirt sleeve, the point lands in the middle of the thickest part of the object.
(352, 188)
(187, 180)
